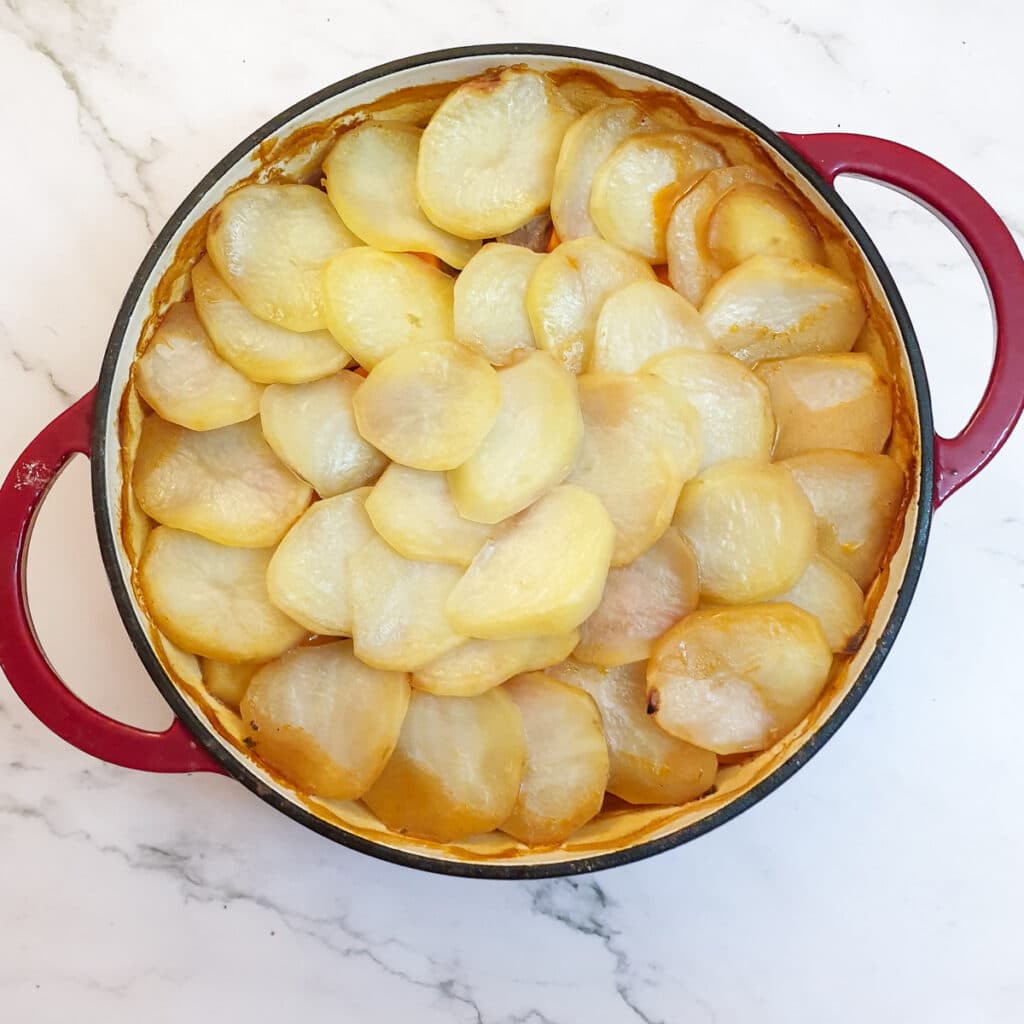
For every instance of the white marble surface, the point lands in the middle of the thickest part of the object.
(882, 883)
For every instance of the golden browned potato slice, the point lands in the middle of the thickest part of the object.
(479, 665)
(541, 574)
(566, 760)
(733, 406)
(324, 720)
(856, 499)
(648, 766)
(312, 428)
(569, 288)
(428, 405)
(310, 576)
(490, 302)
(228, 681)
(833, 401)
(181, 376)
(379, 302)
(833, 597)
(737, 679)
(641, 600)
(457, 768)
(644, 320)
(587, 144)
(212, 600)
(398, 607)
(751, 529)
(270, 244)
(531, 446)
(266, 353)
(487, 157)
(412, 509)
(771, 307)
(224, 484)
(370, 176)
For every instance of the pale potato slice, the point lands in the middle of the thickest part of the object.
(312, 429)
(586, 145)
(566, 760)
(751, 528)
(270, 244)
(636, 187)
(487, 157)
(379, 302)
(737, 679)
(772, 307)
(479, 665)
(644, 320)
(310, 576)
(370, 176)
(398, 607)
(184, 380)
(324, 720)
(413, 510)
(228, 681)
(490, 302)
(641, 600)
(569, 288)
(224, 484)
(266, 353)
(543, 572)
(856, 499)
(733, 406)
(456, 770)
(531, 446)
(648, 766)
(833, 597)
(212, 600)
(428, 405)
(833, 401)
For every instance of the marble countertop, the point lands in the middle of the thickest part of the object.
(882, 882)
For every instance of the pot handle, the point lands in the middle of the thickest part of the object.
(999, 262)
(21, 657)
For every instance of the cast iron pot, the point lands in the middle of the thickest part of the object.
(192, 744)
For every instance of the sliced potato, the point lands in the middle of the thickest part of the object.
(428, 405)
(228, 681)
(224, 484)
(379, 302)
(566, 760)
(413, 510)
(833, 597)
(324, 720)
(181, 376)
(270, 244)
(733, 406)
(370, 175)
(833, 401)
(398, 607)
(542, 573)
(737, 679)
(771, 307)
(490, 302)
(531, 446)
(487, 157)
(750, 527)
(212, 600)
(569, 288)
(648, 766)
(312, 428)
(856, 499)
(456, 770)
(266, 353)
(644, 320)
(310, 576)
(479, 665)
(641, 600)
